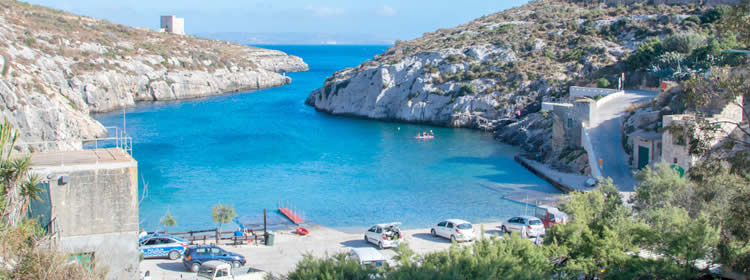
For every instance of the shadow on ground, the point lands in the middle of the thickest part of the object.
(429, 237)
(173, 266)
(357, 243)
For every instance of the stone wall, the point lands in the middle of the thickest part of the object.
(674, 151)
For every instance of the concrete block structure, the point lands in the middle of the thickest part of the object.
(91, 206)
(569, 119)
(173, 24)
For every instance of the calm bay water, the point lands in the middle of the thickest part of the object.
(257, 148)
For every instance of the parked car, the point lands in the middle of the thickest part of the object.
(367, 256)
(161, 245)
(454, 229)
(218, 270)
(384, 235)
(550, 216)
(524, 225)
(591, 182)
(197, 255)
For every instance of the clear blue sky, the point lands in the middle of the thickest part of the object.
(395, 19)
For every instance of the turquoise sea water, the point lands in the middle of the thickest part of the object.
(257, 148)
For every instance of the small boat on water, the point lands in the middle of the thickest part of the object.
(424, 137)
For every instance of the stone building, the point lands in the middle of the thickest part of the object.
(90, 207)
(669, 142)
(675, 141)
(173, 24)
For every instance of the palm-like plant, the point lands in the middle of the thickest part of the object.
(16, 192)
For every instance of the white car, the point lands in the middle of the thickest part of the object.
(455, 230)
(524, 225)
(384, 235)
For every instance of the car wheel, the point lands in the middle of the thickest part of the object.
(453, 238)
(173, 255)
(380, 245)
(195, 267)
(432, 231)
(236, 264)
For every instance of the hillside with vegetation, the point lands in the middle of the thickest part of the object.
(57, 67)
(484, 73)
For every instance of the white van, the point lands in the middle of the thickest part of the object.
(367, 256)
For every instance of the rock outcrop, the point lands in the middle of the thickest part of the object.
(57, 68)
(494, 72)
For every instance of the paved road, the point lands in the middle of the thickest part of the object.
(606, 137)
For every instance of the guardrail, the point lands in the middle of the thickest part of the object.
(116, 138)
(206, 235)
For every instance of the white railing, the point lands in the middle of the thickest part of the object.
(116, 138)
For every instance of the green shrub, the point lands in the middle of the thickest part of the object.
(573, 55)
(683, 42)
(467, 89)
(714, 15)
(646, 52)
(603, 83)
(454, 59)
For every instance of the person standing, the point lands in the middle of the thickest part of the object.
(142, 234)
(601, 163)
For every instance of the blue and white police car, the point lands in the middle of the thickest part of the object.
(162, 245)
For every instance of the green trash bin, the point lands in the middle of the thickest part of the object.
(269, 238)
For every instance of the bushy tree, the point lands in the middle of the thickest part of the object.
(661, 186)
(222, 214)
(168, 221)
(646, 52)
(599, 234)
(683, 42)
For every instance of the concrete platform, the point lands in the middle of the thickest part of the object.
(110, 156)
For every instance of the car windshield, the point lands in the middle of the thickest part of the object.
(206, 272)
(464, 226)
(535, 222)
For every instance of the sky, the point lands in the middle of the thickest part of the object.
(375, 19)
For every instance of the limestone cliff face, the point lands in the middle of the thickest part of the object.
(484, 73)
(57, 68)
(408, 91)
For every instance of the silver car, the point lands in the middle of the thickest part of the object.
(525, 226)
(453, 229)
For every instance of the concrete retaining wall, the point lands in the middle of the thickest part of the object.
(96, 211)
(586, 143)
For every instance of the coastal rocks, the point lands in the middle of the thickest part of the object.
(412, 90)
(58, 68)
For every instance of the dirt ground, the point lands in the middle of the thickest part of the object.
(289, 248)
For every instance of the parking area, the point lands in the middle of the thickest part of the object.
(290, 248)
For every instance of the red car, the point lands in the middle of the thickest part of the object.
(550, 215)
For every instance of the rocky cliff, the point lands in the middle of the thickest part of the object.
(57, 68)
(493, 72)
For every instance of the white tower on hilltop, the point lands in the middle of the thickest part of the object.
(173, 24)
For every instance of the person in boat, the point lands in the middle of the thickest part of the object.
(431, 133)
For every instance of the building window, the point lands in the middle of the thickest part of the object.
(570, 123)
(675, 161)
